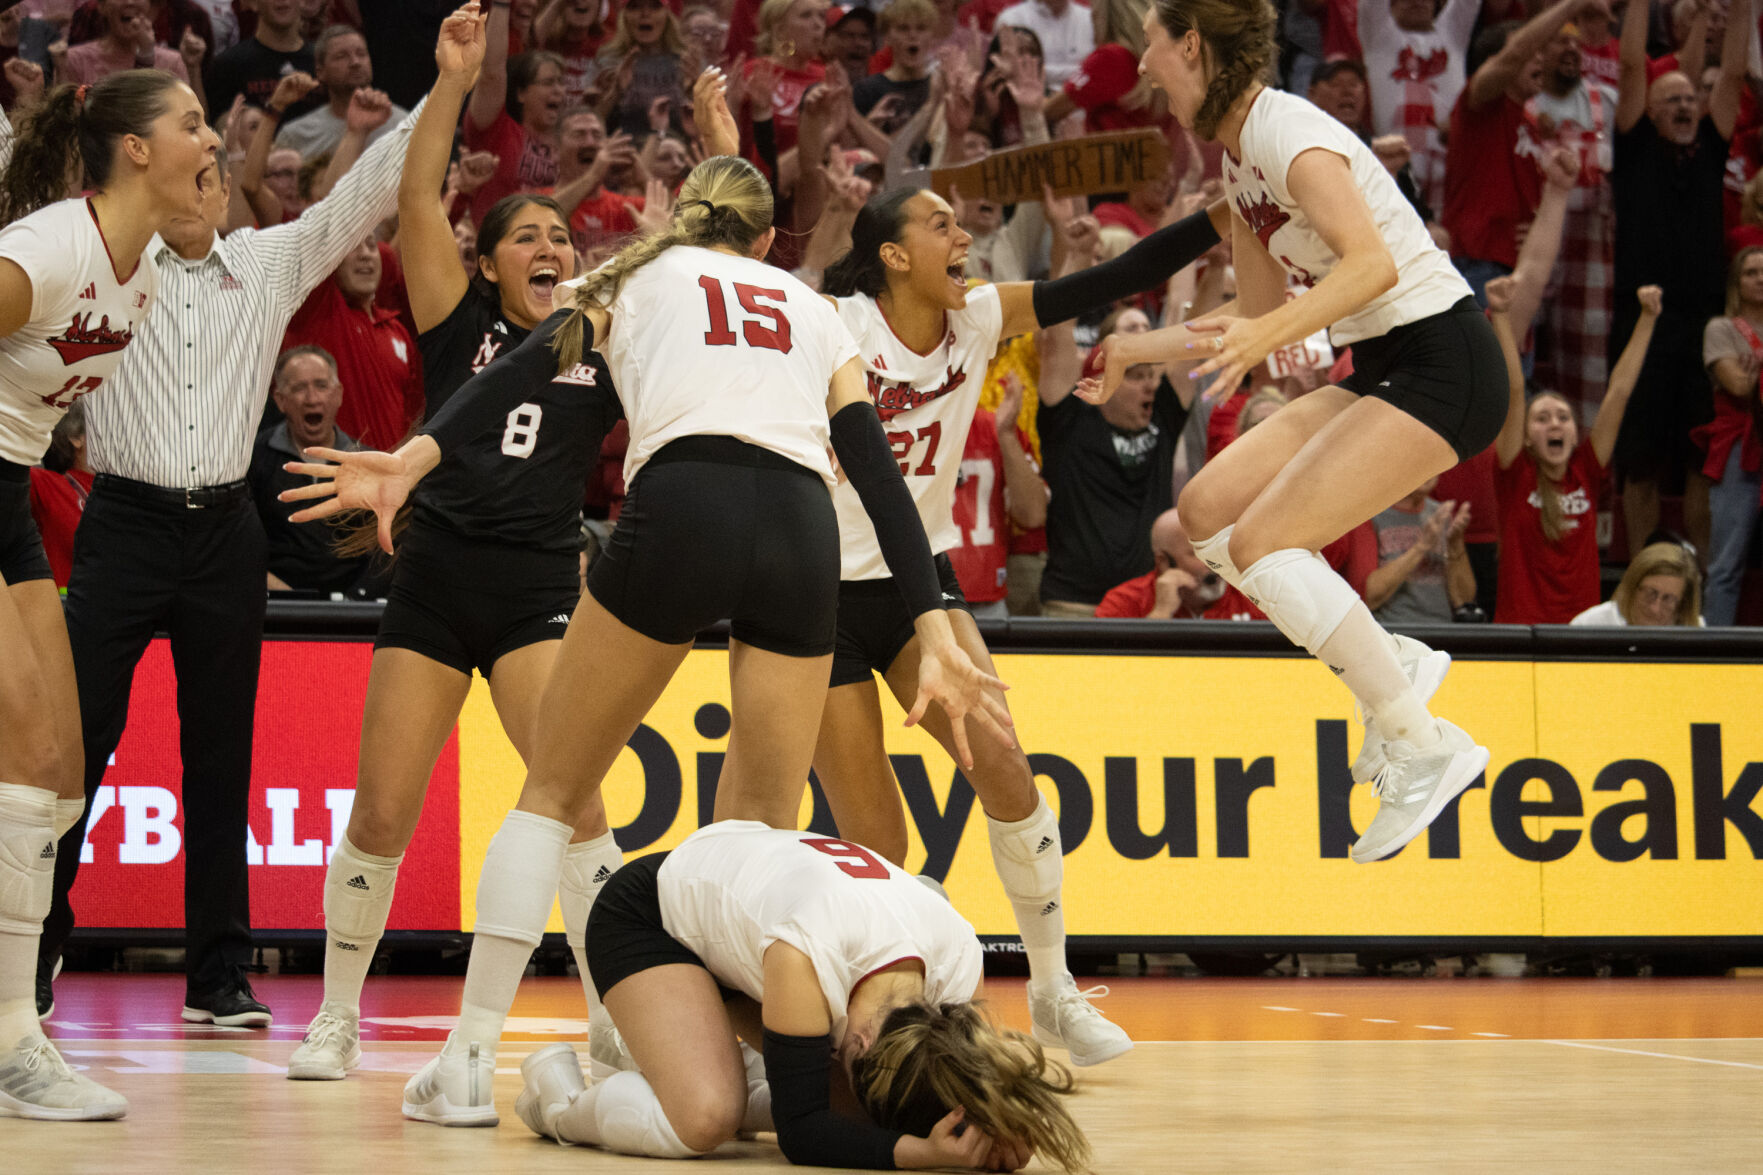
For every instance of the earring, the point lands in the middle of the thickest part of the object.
(786, 48)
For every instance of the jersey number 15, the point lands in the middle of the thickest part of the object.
(754, 299)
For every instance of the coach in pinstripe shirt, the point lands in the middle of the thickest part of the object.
(170, 541)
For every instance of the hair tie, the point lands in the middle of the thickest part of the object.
(711, 208)
(79, 96)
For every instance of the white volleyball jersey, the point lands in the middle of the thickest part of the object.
(81, 319)
(1279, 128)
(703, 343)
(926, 404)
(732, 889)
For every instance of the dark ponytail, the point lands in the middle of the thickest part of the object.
(70, 139)
(861, 271)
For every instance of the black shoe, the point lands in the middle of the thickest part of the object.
(231, 1005)
(47, 970)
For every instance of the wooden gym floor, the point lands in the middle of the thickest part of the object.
(1274, 1075)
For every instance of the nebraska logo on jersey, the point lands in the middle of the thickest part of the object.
(82, 340)
(1264, 216)
(892, 398)
(486, 353)
(582, 375)
(1411, 67)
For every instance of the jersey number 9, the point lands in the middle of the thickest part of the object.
(853, 859)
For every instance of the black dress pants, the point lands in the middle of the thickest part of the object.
(142, 566)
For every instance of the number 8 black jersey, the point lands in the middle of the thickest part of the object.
(520, 483)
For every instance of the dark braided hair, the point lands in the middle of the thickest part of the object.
(881, 221)
(1238, 42)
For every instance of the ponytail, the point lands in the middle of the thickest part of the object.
(724, 201)
(70, 139)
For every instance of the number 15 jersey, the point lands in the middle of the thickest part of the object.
(926, 404)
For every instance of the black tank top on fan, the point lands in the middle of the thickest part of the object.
(520, 483)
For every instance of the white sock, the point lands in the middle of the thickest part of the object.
(27, 882)
(1215, 553)
(587, 866)
(1030, 862)
(514, 891)
(1318, 611)
(622, 1114)
(358, 891)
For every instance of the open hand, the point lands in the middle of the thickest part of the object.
(355, 481)
(948, 677)
(721, 134)
(459, 50)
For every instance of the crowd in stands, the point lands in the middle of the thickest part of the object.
(1595, 170)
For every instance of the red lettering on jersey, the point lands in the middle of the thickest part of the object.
(1264, 216)
(73, 389)
(892, 398)
(852, 859)
(1411, 67)
(82, 340)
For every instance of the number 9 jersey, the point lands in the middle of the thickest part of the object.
(926, 404)
(704, 343)
(733, 888)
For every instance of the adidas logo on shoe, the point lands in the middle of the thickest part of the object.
(1049, 908)
(358, 882)
(601, 875)
(1046, 843)
(48, 853)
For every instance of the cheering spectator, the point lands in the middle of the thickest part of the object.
(59, 488)
(1423, 574)
(373, 353)
(997, 489)
(575, 30)
(706, 34)
(791, 33)
(1414, 61)
(1178, 586)
(126, 42)
(850, 38)
(641, 66)
(343, 67)
(513, 115)
(1670, 164)
(1107, 86)
(253, 67)
(1065, 30)
(1577, 112)
(1732, 349)
(308, 394)
(907, 28)
(1339, 90)
(1492, 185)
(1662, 587)
(599, 217)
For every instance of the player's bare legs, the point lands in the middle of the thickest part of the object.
(851, 761)
(41, 796)
(777, 707)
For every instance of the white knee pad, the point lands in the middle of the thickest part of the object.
(67, 814)
(27, 857)
(1301, 594)
(631, 1121)
(587, 867)
(1215, 553)
(520, 876)
(1027, 854)
(358, 891)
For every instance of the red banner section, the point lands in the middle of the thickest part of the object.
(309, 707)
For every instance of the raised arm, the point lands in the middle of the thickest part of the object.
(1511, 438)
(266, 206)
(1625, 375)
(1502, 69)
(1542, 243)
(1631, 86)
(1723, 103)
(491, 94)
(368, 111)
(433, 275)
(1025, 494)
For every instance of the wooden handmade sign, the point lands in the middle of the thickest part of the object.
(1111, 162)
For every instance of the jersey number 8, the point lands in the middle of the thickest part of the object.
(522, 432)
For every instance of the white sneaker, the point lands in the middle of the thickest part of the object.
(36, 1083)
(606, 1052)
(454, 1090)
(1064, 1018)
(332, 1046)
(553, 1077)
(1426, 669)
(1415, 786)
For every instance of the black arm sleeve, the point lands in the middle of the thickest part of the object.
(863, 453)
(1146, 265)
(808, 1131)
(485, 400)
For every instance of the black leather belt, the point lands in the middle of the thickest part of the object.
(188, 498)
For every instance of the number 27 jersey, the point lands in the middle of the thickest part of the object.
(926, 404)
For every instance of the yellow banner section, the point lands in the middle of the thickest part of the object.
(1211, 796)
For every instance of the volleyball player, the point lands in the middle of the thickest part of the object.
(1311, 203)
(729, 371)
(486, 575)
(72, 292)
(926, 340)
(850, 961)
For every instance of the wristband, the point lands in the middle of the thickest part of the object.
(272, 114)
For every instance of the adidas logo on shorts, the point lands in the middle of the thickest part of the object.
(48, 853)
(1046, 843)
(601, 875)
(357, 882)
(560, 618)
